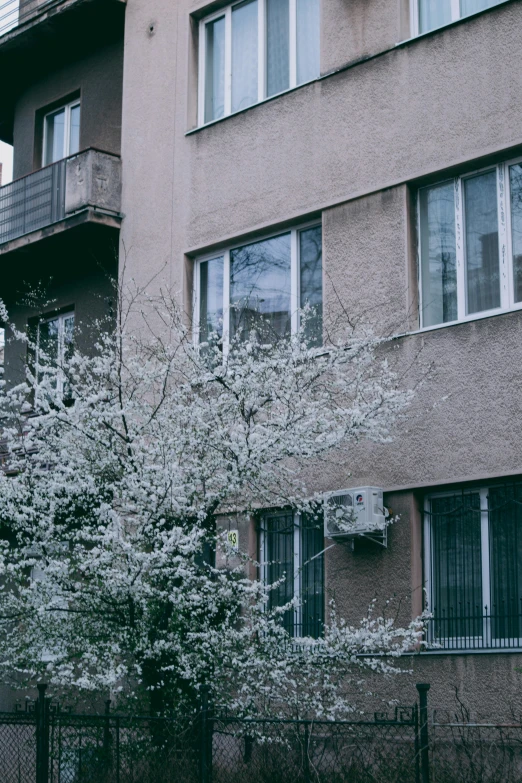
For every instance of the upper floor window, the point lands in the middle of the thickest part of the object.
(471, 245)
(61, 133)
(473, 567)
(430, 14)
(292, 550)
(54, 346)
(262, 285)
(254, 49)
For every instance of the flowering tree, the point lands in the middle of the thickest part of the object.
(116, 467)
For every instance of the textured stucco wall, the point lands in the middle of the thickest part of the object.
(98, 79)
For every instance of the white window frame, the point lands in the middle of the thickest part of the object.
(67, 107)
(61, 318)
(295, 278)
(226, 13)
(467, 644)
(506, 270)
(455, 16)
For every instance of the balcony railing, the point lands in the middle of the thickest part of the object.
(16, 12)
(473, 628)
(90, 179)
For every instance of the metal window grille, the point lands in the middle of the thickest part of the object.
(293, 552)
(474, 568)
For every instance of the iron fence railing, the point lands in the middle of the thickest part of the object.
(478, 629)
(33, 201)
(48, 745)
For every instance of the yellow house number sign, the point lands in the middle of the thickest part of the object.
(233, 539)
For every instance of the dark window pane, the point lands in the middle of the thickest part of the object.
(279, 554)
(311, 284)
(482, 256)
(312, 577)
(457, 568)
(260, 289)
(438, 255)
(505, 540)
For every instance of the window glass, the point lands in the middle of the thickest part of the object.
(515, 180)
(278, 45)
(55, 137)
(438, 253)
(482, 255)
(456, 566)
(433, 13)
(472, 6)
(260, 287)
(215, 70)
(505, 534)
(311, 281)
(74, 137)
(244, 55)
(55, 346)
(279, 553)
(308, 37)
(211, 298)
(312, 578)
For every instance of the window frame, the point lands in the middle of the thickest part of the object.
(505, 245)
(61, 317)
(456, 16)
(295, 279)
(67, 107)
(226, 13)
(297, 566)
(467, 644)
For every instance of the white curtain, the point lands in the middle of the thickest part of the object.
(308, 37)
(277, 46)
(244, 55)
(472, 6)
(215, 70)
(433, 14)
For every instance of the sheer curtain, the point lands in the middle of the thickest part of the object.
(438, 255)
(472, 6)
(308, 35)
(244, 55)
(215, 70)
(433, 14)
(515, 178)
(482, 252)
(277, 46)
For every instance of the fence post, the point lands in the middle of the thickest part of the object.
(423, 689)
(107, 738)
(306, 758)
(42, 735)
(205, 740)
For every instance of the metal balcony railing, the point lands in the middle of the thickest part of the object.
(88, 179)
(16, 12)
(32, 202)
(476, 628)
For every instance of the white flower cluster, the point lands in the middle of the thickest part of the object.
(108, 500)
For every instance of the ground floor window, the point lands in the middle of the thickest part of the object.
(473, 567)
(292, 546)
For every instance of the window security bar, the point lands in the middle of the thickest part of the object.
(473, 568)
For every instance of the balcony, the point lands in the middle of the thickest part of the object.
(82, 188)
(38, 36)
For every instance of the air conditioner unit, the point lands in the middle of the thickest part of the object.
(350, 513)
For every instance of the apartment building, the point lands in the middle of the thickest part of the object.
(362, 152)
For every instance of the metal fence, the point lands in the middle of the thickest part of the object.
(45, 744)
(32, 202)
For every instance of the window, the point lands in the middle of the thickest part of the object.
(262, 285)
(430, 14)
(54, 345)
(473, 564)
(292, 546)
(471, 245)
(61, 133)
(254, 49)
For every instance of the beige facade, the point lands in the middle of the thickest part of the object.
(390, 112)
